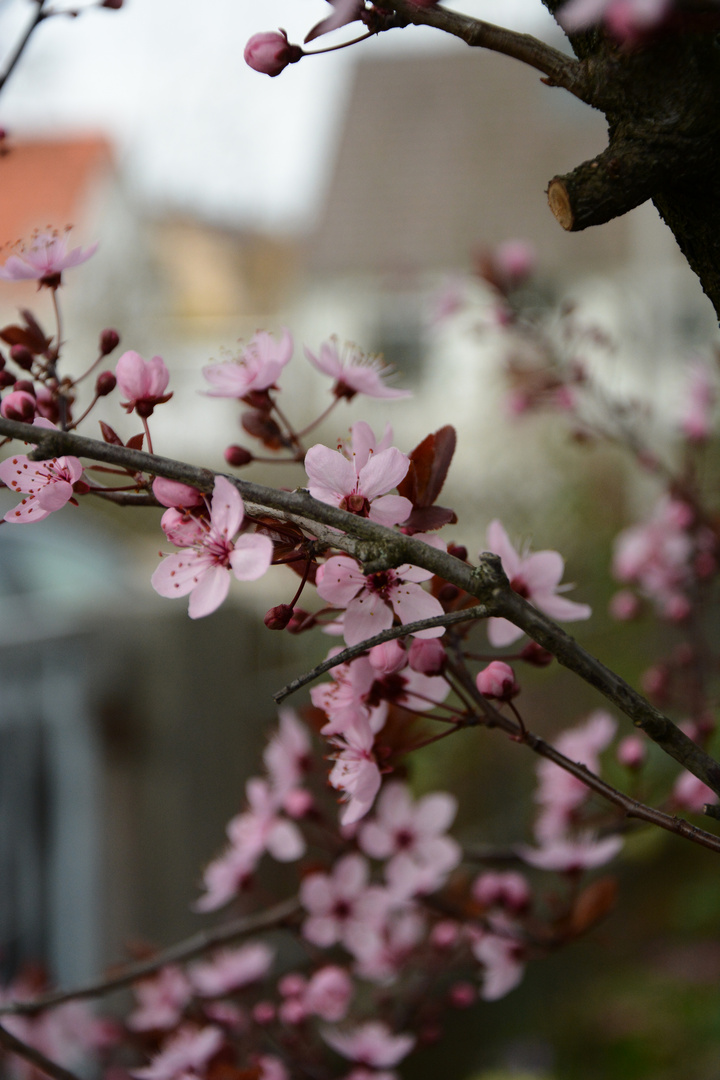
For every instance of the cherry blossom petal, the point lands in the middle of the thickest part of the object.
(226, 509)
(177, 574)
(501, 632)
(499, 543)
(331, 475)
(390, 510)
(366, 615)
(383, 471)
(54, 496)
(339, 580)
(209, 592)
(251, 556)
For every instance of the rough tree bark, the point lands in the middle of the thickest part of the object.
(661, 103)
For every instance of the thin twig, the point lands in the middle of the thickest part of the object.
(182, 951)
(40, 15)
(478, 612)
(16, 1046)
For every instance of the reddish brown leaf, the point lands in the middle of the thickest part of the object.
(109, 435)
(429, 464)
(593, 904)
(136, 442)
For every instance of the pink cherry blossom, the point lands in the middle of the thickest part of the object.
(656, 556)
(271, 52)
(412, 828)
(288, 755)
(507, 889)
(382, 956)
(344, 12)
(359, 482)
(559, 793)
(354, 372)
(203, 570)
(161, 1000)
(499, 955)
(328, 993)
(258, 367)
(631, 751)
(142, 382)
(690, 793)
(48, 485)
(342, 907)
(564, 854)
(44, 260)
(230, 969)
(345, 699)
(371, 1044)
(373, 600)
(356, 772)
(536, 576)
(185, 1054)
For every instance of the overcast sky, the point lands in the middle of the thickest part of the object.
(195, 126)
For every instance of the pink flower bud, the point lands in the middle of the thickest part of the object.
(427, 656)
(105, 383)
(445, 934)
(292, 984)
(263, 1013)
(298, 803)
(109, 340)
(21, 355)
(173, 493)
(631, 752)
(237, 456)
(25, 385)
(270, 53)
(388, 658)
(18, 405)
(497, 681)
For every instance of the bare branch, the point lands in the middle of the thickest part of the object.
(196, 945)
(558, 69)
(16, 1046)
(451, 618)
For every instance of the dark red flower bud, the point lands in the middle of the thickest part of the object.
(105, 383)
(21, 355)
(535, 654)
(6, 379)
(278, 617)
(25, 385)
(270, 53)
(263, 427)
(114, 5)
(237, 456)
(448, 593)
(109, 339)
(18, 405)
(301, 620)
(459, 551)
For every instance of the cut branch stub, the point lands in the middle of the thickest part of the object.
(610, 185)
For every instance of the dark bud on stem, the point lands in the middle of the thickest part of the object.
(6, 379)
(21, 355)
(26, 385)
(237, 456)
(114, 5)
(278, 617)
(263, 427)
(535, 654)
(105, 383)
(459, 551)
(109, 339)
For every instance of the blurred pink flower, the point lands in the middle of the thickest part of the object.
(507, 889)
(161, 1000)
(342, 907)
(184, 1054)
(258, 367)
(696, 420)
(328, 993)
(356, 772)
(203, 570)
(44, 259)
(354, 372)
(412, 828)
(535, 576)
(625, 19)
(690, 793)
(229, 969)
(563, 854)
(371, 1044)
(499, 955)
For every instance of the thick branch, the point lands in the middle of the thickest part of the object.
(380, 548)
(613, 183)
(559, 69)
(182, 951)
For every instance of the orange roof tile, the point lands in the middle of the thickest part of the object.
(43, 182)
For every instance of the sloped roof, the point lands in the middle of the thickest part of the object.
(441, 152)
(45, 182)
